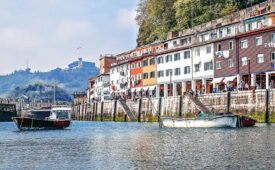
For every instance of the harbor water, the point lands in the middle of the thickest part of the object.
(113, 145)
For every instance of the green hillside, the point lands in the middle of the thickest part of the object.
(158, 17)
(40, 91)
(74, 78)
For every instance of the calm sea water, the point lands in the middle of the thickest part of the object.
(110, 145)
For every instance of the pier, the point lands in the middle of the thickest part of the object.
(259, 104)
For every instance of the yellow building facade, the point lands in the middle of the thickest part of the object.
(149, 71)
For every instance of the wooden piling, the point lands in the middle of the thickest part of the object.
(93, 113)
(96, 106)
(267, 96)
(115, 110)
(139, 109)
(228, 102)
(101, 111)
(159, 109)
(180, 106)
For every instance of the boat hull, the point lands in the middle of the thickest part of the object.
(247, 122)
(30, 123)
(209, 122)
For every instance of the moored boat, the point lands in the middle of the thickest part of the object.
(59, 118)
(7, 111)
(207, 121)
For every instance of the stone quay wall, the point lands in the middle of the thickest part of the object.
(21, 104)
(259, 104)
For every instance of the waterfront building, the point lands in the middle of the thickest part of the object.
(102, 87)
(214, 56)
(105, 62)
(185, 63)
(247, 52)
(91, 89)
(120, 74)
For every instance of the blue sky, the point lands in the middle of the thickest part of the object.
(46, 33)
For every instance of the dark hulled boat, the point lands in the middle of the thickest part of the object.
(7, 111)
(59, 117)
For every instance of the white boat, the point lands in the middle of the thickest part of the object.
(200, 122)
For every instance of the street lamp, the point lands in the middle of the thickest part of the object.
(170, 72)
(249, 75)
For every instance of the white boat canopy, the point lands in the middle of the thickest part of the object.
(229, 79)
(217, 80)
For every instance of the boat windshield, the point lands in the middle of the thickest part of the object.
(62, 114)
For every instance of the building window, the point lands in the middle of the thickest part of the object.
(208, 66)
(160, 60)
(230, 45)
(272, 58)
(145, 75)
(197, 67)
(213, 35)
(177, 57)
(160, 73)
(133, 78)
(133, 66)
(208, 49)
(230, 63)
(258, 41)
(152, 61)
(244, 44)
(218, 64)
(220, 33)
(249, 26)
(186, 54)
(187, 70)
(139, 76)
(152, 74)
(168, 72)
(145, 63)
(244, 61)
(228, 30)
(219, 47)
(197, 51)
(273, 37)
(138, 64)
(260, 58)
(177, 71)
(168, 58)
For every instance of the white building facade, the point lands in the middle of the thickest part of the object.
(120, 78)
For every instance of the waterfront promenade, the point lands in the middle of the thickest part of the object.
(259, 104)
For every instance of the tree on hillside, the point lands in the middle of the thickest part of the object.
(155, 18)
(158, 17)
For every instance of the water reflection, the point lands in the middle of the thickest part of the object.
(109, 145)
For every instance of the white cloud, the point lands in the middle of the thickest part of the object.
(17, 39)
(71, 29)
(126, 19)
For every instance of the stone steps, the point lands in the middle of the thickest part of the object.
(127, 111)
(199, 104)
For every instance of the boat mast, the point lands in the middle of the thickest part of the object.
(54, 102)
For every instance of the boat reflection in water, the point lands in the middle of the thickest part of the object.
(55, 117)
